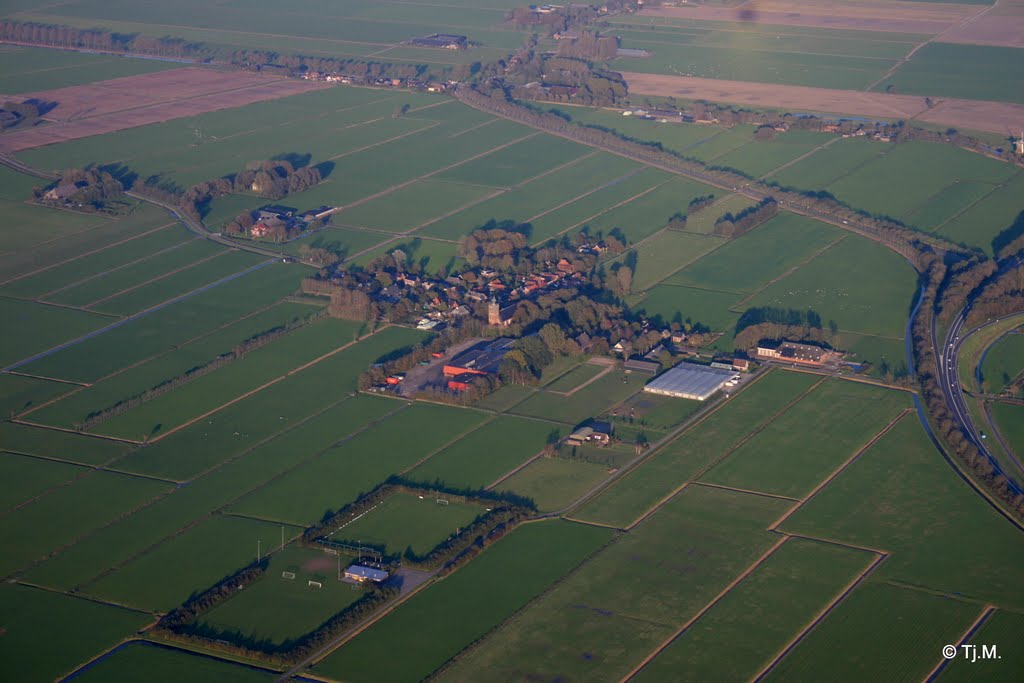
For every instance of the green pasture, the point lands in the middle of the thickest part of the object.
(558, 367)
(1002, 630)
(431, 255)
(749, 262)
(917, 174)
(537, 196)
(696, 448)
(47, 635)
(485, 454)
(589, 210)
(30, 70)
(737, 638)
(67, 513)
(834, 286)
(855, 642)
(1009, 419)
(592, 400)
(947, 204)
(276, 608)
(31, 225)
(75, 406)
(109, 284)
(161, 330)
(169, 573)
(603, 618)
(294, 444)
(757, 159)
(19, 393)
(407, 208)
(246, 374)
(789, 457)
(980, 223)
(575, 377)
(33, 327)
(505, 398)
(871, 504)
(33, 475)
(159, 664)
(553, 483)
(339, 475)
(246, 423)
(470, 602)
(517, 163)
(76, 448)
(667, 252)
(956, 70)
(678, 137)
(829, 164)
(98, 260)
(704, 221)
(406, 521)
(344, 242)
(1003, 362)
(879, 351)
(644, 411)
(676, 304)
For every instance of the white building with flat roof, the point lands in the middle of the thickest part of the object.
(689, 380)
(358, 572)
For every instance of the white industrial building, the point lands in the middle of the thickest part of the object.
(688, 380)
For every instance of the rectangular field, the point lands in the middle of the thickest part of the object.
(667, 252)
(472, 601)
(1001, 630)
(33, 476)
(553, 483)
(588, 402)
(695, 449)
(26, 69)
(741, 634)
(38, 327)
(485, 454)
(166, 665)
(786, 458)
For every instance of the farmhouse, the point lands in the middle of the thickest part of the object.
(361, 574)
(806, 354)
(63, 191)
(445, 41)
(688, 380)
(596, 433)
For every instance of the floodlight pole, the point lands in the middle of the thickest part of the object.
(258, 550)
(282, 537)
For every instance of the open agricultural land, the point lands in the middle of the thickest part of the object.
(194, 456)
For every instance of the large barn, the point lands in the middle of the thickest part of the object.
(688, 380)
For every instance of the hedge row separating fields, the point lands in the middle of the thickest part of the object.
(238, 352)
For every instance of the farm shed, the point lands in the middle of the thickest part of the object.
(688, 380)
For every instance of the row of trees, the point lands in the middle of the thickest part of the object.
(732, 226)
(89, 189)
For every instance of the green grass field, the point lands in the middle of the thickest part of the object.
(343, 472)
(167, 665)
(278, 609)
(470, 603)
(1010, 420)
(788, 458)
(870, 504)
(833, 285)
(645, 411)
(576, 377)
(38, 327)
(407, 208)
(695, 449)
(517, 163)
(20, 438)
(406, 521)
(590, 401)
(553, 483)
(1003, 362)
(599, 622)
(738, 637)
(485, 454)
(952, 70)
(856, 641)
(34, 476)
(1001, 630)
(667, 252)
(980, 223)
(47, 635)
(748, 263)
(18, 393)
(27, 69)
(164, 577)
(62, 516)
(705, 306)
(295, 444)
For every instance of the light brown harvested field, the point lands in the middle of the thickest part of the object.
(993, 117)
(865, 15)
(108, 106)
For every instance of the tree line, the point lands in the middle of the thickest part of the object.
(733, 226)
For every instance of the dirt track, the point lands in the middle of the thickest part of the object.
(108, 106)
(993, 117)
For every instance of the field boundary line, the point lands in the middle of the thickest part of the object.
(614, 181)
(221, 507)
(135, 316)
(752, 492)
(820, 616)
(707, 468)
(605, 210)
(839, 470)
(515, 470)
(788, 272)
(429, 124)
(188, 240)
(53, 304)
(66, 430)
(127, 290)
(652, 452)
(722, 241)
(607, 370)
(88, 253)
(263, 386)
(50, 379)
(830, 141)
(451, 442)
(459, 209)
(703, 610)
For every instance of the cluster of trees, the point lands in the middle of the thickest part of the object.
(591, 46)
(778, 324)
(1009, 243)
(507, 251)
(87, 188)
(525, 362)
(729, 225)
(1002, 296)
(56, 35)
(15, 114)
(239, 351)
